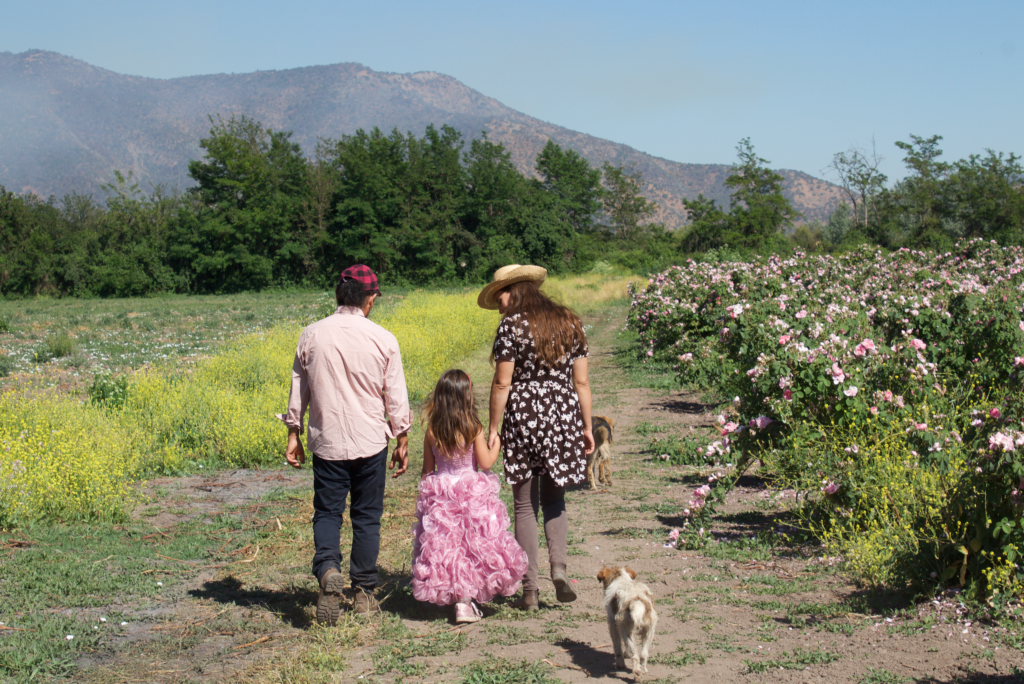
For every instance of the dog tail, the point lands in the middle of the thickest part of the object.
(637, 611)
(603, 425)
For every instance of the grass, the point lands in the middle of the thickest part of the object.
(508, 635)
(681, 657)
(881, 676)
(501, 671)
(798, 660)
(69, 580)
(641, 373)
(117, 335)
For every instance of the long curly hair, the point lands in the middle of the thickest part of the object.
(555, 328)
(450, 412)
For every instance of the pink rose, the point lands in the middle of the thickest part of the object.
(899, 400)
(921, 426)
(787, 395)
(873, 410)
(761, 422)
(851, 391)
(918, 344)
(803, 314)
(994, 414)
(673, 535)
(887, 396)
(729, 427)
(784, 340)
(830, 489)
(838, 376)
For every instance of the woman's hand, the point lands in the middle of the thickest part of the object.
(588, 441)
(493, 441)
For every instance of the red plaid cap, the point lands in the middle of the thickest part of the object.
(364, 274)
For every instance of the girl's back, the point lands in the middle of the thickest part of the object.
(456, 462)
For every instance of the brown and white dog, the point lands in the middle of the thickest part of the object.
(601, 457)
(631, 617)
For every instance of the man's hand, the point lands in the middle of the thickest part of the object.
(400, 457)
(295, 454)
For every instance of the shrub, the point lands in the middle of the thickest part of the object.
(885, 388)
(59, 345)
(62, 460)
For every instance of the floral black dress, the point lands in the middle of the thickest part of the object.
(542, 432)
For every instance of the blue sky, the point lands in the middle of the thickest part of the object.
(681, 80)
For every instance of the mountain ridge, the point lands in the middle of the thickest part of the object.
(66, 125)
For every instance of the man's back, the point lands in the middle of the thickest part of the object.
(349, 371)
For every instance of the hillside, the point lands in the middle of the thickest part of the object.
(66, 125)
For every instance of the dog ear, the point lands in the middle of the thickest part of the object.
(611, 421)
(602, 574)
(631, 572)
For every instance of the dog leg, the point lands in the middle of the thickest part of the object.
(613, 630)
(606, 472)
(590, 472)
(629, 652)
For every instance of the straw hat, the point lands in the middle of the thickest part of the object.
(505, 276)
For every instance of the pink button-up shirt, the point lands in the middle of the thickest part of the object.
(348, 371)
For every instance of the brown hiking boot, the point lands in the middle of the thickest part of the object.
(365, 603)
(328, 603)
(563, 587)
(529, 601)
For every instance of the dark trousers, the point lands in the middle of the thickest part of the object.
(332, 482)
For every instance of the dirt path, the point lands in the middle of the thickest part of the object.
(746, 608)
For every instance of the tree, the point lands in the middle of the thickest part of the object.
(860, 179)
(624, 204)
(915, 209)
(708, 226)
(250, 185)
(838, 224)
(987, 197)
(758, 209)
(577, 187)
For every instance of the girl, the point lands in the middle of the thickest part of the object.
(463, 549)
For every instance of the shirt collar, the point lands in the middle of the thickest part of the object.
(350, 311)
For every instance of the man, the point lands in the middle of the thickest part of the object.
(348, 371)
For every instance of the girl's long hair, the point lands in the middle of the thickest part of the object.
(451, 414)
(555, 328)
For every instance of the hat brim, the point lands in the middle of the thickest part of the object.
(488, 295)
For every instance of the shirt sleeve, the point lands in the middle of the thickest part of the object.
(506, 347)
(298, 398)
(396, 394)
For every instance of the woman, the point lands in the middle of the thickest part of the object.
(540, 384)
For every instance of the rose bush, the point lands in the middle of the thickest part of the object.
(834, 361)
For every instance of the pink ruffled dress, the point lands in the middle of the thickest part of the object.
(463, 549)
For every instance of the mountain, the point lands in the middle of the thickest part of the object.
(66, 125)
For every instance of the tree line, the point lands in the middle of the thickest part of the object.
(419, 210)
(935, 205)
(430, 210)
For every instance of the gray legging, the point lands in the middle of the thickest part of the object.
(528, 501)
